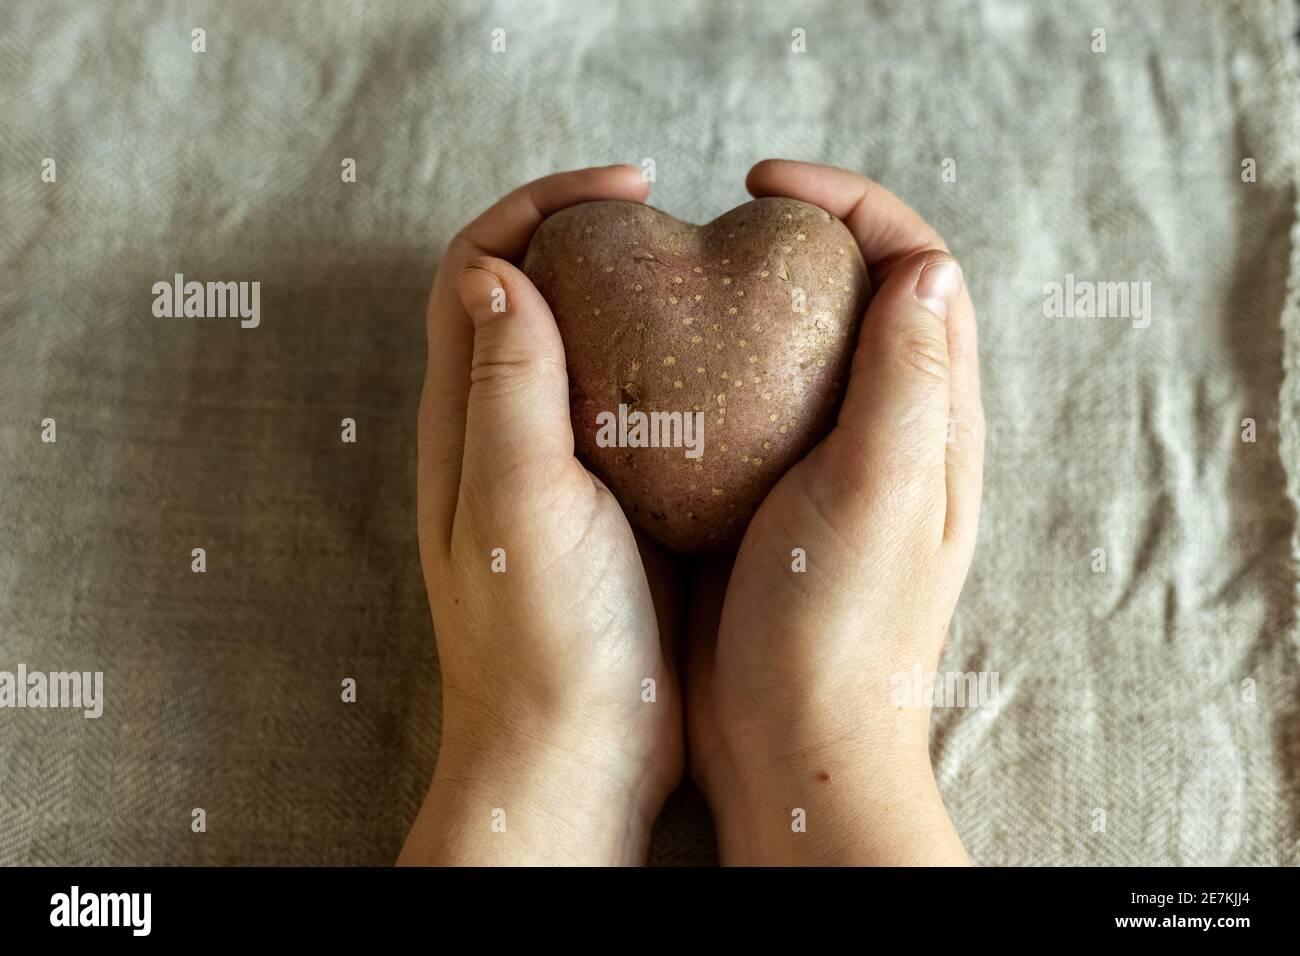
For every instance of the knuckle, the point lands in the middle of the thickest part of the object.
(504, 371)
(494, 364)
(503, 377)
(500, 358)
(486, 263)
(922, 349)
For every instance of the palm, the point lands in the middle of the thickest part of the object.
(737, 602)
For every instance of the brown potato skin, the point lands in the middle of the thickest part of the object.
(644, 301)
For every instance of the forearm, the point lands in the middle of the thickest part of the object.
(493, 807)
(861, 803)
(846, 822)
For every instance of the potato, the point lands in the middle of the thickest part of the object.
(727, 347)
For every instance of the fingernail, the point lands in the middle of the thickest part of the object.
(482, 294)
(938, 284)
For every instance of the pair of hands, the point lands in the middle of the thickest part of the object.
(550, 751)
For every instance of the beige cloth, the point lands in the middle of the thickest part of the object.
(1121, 691)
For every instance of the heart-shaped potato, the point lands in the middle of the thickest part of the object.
(744, 326)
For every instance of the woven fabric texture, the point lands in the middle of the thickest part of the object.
(1149, 713)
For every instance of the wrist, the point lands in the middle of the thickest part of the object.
(504, 794)
(858, 799)
(539, 809)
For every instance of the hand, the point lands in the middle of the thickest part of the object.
(791, 707)
(545, 729)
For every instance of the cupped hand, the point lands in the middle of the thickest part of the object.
(562, 727)
(798, 734)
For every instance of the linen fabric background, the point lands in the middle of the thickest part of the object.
(1163, 693)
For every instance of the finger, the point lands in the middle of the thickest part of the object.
(889, 442)
(887, 230)
(441, 425)
(964, 463)
(505, 229)
(517, 427)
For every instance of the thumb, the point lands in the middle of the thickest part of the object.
(896, 407)
(517, 420)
